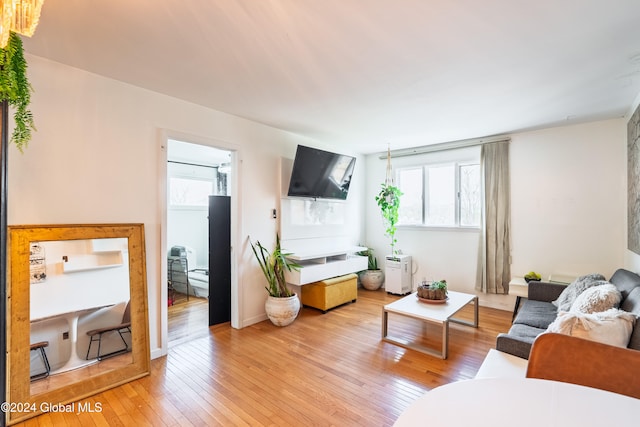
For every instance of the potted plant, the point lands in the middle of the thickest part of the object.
(433, 291)
(389, 202)
(16, 90)
(282, 305)
(373, 277)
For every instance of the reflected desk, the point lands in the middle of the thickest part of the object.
(526, 402)
(72, 317)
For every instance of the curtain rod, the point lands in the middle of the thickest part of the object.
(192, 164)
(445, 146)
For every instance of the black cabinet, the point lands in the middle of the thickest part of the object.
(219, 259)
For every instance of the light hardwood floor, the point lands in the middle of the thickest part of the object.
(323, 370)
(187, 320)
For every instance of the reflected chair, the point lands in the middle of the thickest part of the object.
(575, 360)
(123, 327)
(47, 368)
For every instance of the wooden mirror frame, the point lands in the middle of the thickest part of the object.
(18, 317)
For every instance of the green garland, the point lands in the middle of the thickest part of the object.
(16, 90)
(389, 202)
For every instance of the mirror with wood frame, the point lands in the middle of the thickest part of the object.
(77, 314)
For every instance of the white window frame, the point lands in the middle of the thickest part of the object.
(457, 195)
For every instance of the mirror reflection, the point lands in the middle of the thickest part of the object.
(80, 323)
(68, 335)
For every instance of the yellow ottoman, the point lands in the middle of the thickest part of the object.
(330, 293)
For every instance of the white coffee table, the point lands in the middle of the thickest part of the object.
(411, 306)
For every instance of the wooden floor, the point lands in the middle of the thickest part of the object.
(324, 370)
(187, 320)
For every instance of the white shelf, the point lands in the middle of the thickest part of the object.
(92, 262)
(323, 253)
(324, 264)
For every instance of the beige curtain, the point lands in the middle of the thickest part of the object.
(495, 251)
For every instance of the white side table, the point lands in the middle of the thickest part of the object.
(520, 288)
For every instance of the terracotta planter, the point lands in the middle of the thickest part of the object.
(372, 280)
(282, 311)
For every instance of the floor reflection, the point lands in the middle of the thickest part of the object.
(56, 381)
(188, 320)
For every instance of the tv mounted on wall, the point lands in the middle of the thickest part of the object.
(320, 174)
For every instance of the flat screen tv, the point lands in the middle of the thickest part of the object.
(320, 174)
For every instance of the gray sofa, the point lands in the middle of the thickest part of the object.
(538, 312)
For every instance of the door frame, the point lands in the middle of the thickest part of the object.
(236, 295)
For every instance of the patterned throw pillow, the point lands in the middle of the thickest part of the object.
(597, 298)
(571, 292)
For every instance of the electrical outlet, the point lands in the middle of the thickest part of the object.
(65, 335)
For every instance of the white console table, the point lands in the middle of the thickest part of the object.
(321, 264)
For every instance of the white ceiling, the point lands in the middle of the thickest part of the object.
(366, 73)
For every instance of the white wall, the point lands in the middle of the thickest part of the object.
(569, 199)
(568, 207)
(96, 159)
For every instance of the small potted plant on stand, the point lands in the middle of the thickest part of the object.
(372, 278)
(282, 305)
(434, 291)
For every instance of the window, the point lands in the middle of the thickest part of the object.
(470, 196)
(410, 182)
(440, 195)
(189, 192)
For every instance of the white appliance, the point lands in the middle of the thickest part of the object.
(397, 274)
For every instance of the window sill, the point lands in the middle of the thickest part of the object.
(419, 227)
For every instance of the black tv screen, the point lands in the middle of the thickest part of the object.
(320, 174)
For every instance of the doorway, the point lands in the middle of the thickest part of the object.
(195, 174)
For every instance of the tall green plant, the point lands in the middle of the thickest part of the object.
(16, 90)
(273, 265)
(389, 202)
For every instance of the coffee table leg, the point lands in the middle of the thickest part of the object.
(385, 320)
(475, 312)
(475, 316)
(445, 339)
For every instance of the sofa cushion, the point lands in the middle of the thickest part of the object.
(625, 281)
(611, 327)
(525, 333)
(538, 314)
(596, 299)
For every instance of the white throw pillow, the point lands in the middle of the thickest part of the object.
(611, 327)
(597, 299)
(575, 288)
